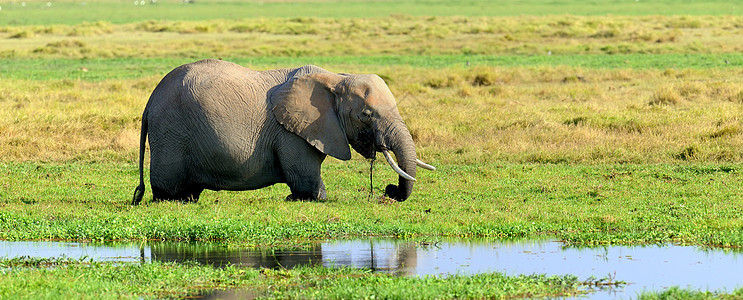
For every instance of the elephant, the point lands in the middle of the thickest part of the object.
(216, 125)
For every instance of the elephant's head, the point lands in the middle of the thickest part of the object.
(331, 111)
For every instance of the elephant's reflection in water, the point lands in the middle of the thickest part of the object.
(379, 256)
(389, 257)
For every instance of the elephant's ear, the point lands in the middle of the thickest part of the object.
(306, 106)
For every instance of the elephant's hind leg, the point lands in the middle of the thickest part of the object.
(189, 193)
(169, 176)
(174, 185)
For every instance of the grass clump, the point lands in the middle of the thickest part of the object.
(97, 28)
(64, 47)
(689, 153)
(685, 293)
(22, 35)
(736, 97)
(691, 90)
(665, 95)
(727, 131)
(483, 79)
(453, 287)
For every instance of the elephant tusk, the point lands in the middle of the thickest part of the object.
(424, 165)
(395, 167)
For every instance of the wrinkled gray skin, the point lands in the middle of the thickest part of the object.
(220, 126)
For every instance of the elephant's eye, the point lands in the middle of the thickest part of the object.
(366, 115)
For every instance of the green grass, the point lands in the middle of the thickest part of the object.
(128, 68)
(680, 293)
(74, 12)
(583, 205)
(66, 279)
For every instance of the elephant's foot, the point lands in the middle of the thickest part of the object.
(393, 192)
(190, 199)
(294, 198)
(190, 195)
(307, 196)
(308, 192)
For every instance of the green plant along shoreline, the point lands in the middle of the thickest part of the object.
(596, 123)
(33, 279)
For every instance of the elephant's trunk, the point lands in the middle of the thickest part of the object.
(400, 142)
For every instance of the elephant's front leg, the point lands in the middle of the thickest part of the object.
(307, 191)
(301, 169)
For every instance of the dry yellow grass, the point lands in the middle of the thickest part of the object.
(456, 115)
(398, 34)
(538, 116)
(63, 120)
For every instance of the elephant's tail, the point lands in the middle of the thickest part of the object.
(139, 191)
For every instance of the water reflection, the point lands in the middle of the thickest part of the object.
(645, 268)
(389, 256)
(222, 255)
(117, 252)
(377, 255)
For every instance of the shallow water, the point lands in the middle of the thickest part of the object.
(651, 268)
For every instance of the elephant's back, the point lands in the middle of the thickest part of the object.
(219, 85)
(207, 83)
(211, 108)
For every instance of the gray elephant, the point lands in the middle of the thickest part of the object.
(220, 126)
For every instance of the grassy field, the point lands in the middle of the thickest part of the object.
(32, 279)
(694, 204)
(539, 114)
(389, 35)
(609, 122)
(71, 12)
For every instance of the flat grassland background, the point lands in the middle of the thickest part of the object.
(600, 122)
(596, 122)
